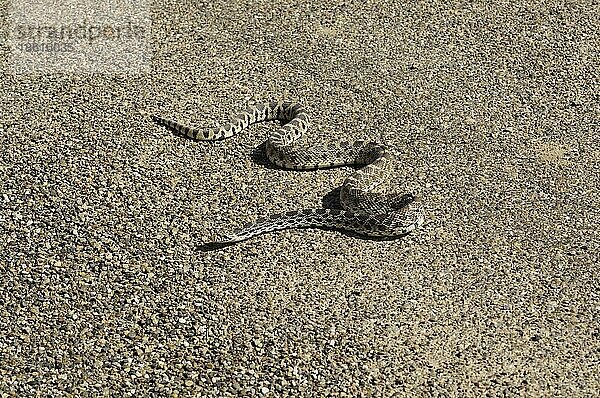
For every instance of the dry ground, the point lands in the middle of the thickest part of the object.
(494, 110)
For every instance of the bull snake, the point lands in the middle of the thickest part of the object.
(366, 212)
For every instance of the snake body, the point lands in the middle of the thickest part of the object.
(365, 211)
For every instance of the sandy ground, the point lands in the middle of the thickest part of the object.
(494, 111)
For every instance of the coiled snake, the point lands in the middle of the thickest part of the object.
(366, 212)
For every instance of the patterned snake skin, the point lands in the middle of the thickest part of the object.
(366, 212)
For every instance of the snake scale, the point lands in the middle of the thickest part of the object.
(365, 210)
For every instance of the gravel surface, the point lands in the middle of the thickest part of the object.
(494, 111)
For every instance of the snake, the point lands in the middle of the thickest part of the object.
(366, 208)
